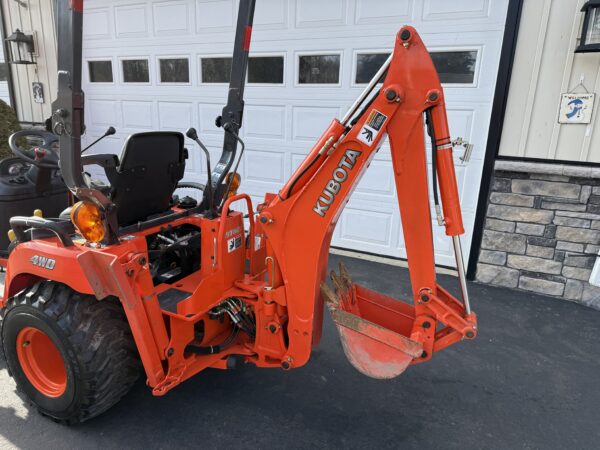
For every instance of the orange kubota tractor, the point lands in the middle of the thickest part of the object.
(132, 274)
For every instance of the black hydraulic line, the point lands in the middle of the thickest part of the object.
(312, 163)
(212, 349)
(364, 109)
(431, 133)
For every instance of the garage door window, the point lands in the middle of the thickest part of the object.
(319, 69)
(174, 70)
(265, 70)
(135, 71)
(367, 65)
(261, 69)
(455, 67)
(100, 71)
(215, 69)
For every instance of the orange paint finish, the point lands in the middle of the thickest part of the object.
(313, 161)
(41, 361)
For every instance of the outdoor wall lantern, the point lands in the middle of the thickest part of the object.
(21, 48)
(590, 32)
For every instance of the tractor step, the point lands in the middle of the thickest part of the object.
(373, 328)
(169, 299)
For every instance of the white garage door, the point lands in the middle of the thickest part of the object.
(164, 65)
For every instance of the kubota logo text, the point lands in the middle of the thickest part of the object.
(333, 186)
(43, 262)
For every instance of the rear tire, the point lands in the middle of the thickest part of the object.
(91, 337)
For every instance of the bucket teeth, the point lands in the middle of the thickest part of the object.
(330, 297)
(343, 286)
(345, 276)
(337, 283)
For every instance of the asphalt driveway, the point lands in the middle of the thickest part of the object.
(530, 380)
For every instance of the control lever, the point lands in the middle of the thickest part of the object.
(109, 132)
(193, 135)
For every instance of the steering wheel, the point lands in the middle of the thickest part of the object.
(47, 161)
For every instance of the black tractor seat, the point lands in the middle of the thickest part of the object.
(143, 180)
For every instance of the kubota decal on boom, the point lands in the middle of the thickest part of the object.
(333, 186)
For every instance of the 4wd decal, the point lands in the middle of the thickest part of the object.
(372, 127)
(333, 186)
(43, 262)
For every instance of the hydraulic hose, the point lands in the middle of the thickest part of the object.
(434, 182)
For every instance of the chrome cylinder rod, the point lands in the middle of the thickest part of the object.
(460, 266)
(374, 81)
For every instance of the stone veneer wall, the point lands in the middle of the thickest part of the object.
(542, 230)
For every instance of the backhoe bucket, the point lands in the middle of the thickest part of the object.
(373, 328)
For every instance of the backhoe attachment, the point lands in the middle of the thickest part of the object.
(382, 336)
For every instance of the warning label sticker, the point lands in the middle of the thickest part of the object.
(372, 127)
(234, 243)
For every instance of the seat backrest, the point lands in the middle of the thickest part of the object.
(151, 165)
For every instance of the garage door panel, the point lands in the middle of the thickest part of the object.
(138, 115)
(264, 167)
(271, 14)
(215, 14)
(395, 11)
(104, 113)
(377, 183)
(172, 18)
(317, 13)
(460, 122)
(132, 20)
(267, 122)
(97, 23)
(208, 113)
(310, 122)
(176, 116)
(456, 9)
(359, 228)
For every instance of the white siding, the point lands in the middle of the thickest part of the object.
(35, 16)
(546, 66)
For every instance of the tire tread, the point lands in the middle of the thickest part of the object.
(100, 336)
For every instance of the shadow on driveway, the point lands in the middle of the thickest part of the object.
(530, 380)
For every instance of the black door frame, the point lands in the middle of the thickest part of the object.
(507, 57)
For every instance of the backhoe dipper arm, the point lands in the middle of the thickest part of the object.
(299, 222)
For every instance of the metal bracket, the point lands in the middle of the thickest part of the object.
(460, 142)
